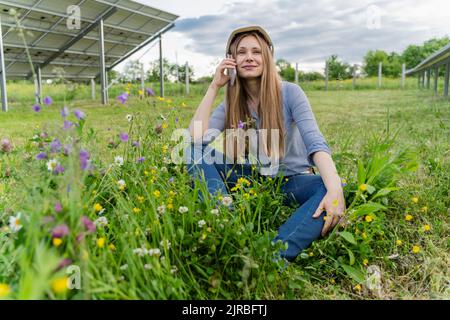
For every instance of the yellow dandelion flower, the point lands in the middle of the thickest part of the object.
(165, 148)
(399, 242)
(415, 249)
(363, 187)
(246, 196)
(164, 125)
(169, 206)
(408, 217)
(332, 281)
(171, 193)
(137, 210)
(365, 262)
(140, 199)
(157, 193)
(424, 209)
(369, 218)
(311, 254)
(98, 207)
(4, 290)
(59, 285)
(101, 242)
(415, 199)
(57, 242)
(357, 287)
(141, 92)
(146, 173)
(426, 228)
(112, 247)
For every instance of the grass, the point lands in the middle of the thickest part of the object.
(390, 146)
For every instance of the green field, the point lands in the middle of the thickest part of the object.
(390, 145)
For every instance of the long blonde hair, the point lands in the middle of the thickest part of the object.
(270, 111)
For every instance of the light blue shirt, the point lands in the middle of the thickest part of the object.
(303, 137)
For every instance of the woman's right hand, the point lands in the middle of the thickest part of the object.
(221, 79)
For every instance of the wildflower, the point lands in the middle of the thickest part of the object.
(122, 184)
(140, 252)
(183, 209)
(424, 209)
(215, 212)
(136, 144)
(344, 182)
(98, 207)
(118, 160)
(227, 201)
(165, 244)
(201, 223)
(147, 266)
(67, 125)
(37, 108)
(64, 112)
(426, 228)
(41, 156)
(5, 146)
(140, 160)
(4, 290)
(64, 263)
(415, 249)
(123, 97)
(136, 210)
(165, 148)
(154, 252)
(59, 169)
(60, 231)
(58, 207)
(100, 242)
(15, 223)
(174, 269)
(129, 117)
(161, 209)
(369, 218)
(80, 115)
(124, 267)
(408, 217)
(84, 159)
(88, 224)
(141, 199)
(399, 242)
(365, 262)
(124, 136)
(51, 164)
(170, 206)
(59, 285)
(164, 125)
(112, 247)
(363, 187)
(357, 287)
(57, 242)
(240, 125)
(149, 92)
(101, 222)
(415, 199)
(48, 100)
(140, 92)
(157, 193)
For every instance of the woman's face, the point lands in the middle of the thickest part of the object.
(249, 58)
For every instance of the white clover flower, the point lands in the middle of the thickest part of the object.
(174, 269)
(14, 222)
(215, 212)
(129, 117)
(227, 201)
(51, 164)
(140, 252)
(201, 223)
(165, 244)
(147, 266)
(101, 222)
(161, 209)
(122, 184)
(183, 209)
(124, 267)
(154, 252)
(118, 160)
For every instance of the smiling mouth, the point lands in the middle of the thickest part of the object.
(249, 68)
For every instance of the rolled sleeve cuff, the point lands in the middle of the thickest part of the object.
(322, 146)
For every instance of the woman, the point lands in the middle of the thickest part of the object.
(282, 108)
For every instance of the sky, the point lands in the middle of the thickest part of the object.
(303, 31)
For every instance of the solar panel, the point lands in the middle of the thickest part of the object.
(128, 26)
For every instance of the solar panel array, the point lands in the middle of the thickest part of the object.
(38, 29)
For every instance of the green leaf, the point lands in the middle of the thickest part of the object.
(369, 207)
(353, 273)
(361, 172)
(351, 256)
(384, 192)
(370, 189)
(348, 236)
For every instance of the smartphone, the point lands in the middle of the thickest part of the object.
(231, 72)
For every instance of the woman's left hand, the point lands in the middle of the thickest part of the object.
(334, 205)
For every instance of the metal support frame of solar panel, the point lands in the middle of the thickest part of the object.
(128, 26)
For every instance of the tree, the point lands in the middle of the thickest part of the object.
(169, 70)
(287, 72)
(414, 54)
(132, 70)
(337, 69)
(371, 61)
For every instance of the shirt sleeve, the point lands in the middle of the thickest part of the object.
(217, 119)
(303, 116)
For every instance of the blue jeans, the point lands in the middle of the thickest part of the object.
(306, 190)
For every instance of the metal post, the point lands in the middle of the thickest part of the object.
(403, 75)
(436, 77)
(418, 80)
(93, 88)
(103, 89)
(142, 81)
(186, 68)
(39, 83)
(161, 71)
(296, 73)
(427, 74)
(446, 79)
(354, 76)
(107, 85)
(423, 79)
(326, 76)
(380, 68)
(3, 75)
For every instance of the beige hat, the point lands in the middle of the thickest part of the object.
(259, 29)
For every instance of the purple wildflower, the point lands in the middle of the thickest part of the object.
(124, 136)
(140, 160)
(64, 263)
(48, 100)
(88, 224)
(41, 156)
(5, 146)
(79, 114)
(136, 144)
(80, 237)
(67, 149)
(55, 146)
(149, 92)
(64, 112)
(36, 108)
(176, 119)
(84, 160)
(67, 125)
(171, 180)
(123, 98)
(58, 207)
(240, 125)
(60, 231)
(59, 169)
